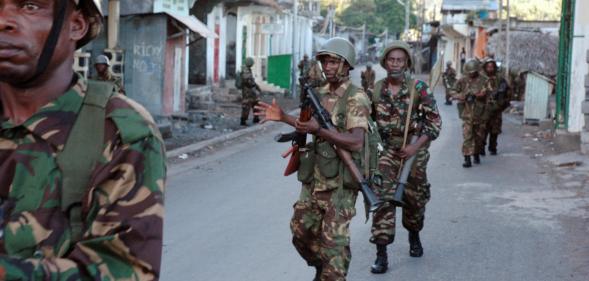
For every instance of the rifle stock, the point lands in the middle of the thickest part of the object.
(402, 182)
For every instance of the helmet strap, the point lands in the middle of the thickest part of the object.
(340, 75)
(50, 43)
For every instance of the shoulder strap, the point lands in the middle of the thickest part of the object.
(82, 150)
(341, 107)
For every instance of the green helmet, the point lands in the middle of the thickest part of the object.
(249, 62)
(471, 66)
(393, 46)
(339, 47)
(489, 60)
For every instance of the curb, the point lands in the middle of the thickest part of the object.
(195, 147)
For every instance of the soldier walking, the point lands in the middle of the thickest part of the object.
(82, 166)
(104, 72)
(498, 101)
(249, 92)
(449, 78)
(392, 99)
(368, 77)
(472, 91)
(326, 206)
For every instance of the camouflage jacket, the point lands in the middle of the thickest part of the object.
(449, 77)
(475, 108)
(368, 77)
(304, 66)
(500, 93)
(122, 210)
(248, 91)
(314, 75)
(391, 112)
(358, 110)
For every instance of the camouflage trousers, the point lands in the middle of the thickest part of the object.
(473, 137)
(493, 130)
(320, 227)
(416, 196)
(246, 107)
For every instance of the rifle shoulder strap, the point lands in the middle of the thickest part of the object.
(412, 94)
(82, 150)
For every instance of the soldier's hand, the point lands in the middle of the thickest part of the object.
(310, 127)
(408, 151)
(268, 112)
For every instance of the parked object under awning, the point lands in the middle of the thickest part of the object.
(194, 24)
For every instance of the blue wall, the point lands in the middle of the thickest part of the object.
(143, 39)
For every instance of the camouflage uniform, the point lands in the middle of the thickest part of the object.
(368, 77)
(449, 77)
(122, 209)
(322, 215)
(314, 75)
(304, 67)
(474, 115)
(391, 115)
(497, 103)
(249, 94)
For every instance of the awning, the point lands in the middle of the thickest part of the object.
(194, 24)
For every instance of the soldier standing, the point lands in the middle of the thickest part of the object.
(82, 166)
(392, 98)
(498, 101)
(304, 66)
(249, 92)
(368, 77)
(449, 77)
(472, 90)
(326, 206)
(104, 72)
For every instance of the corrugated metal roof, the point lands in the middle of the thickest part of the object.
(470, 5)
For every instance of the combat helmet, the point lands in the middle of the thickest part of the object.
(339, 47)
(471, 66)
(397, 44)
(449, 63)
(249, 62)
(102, 59)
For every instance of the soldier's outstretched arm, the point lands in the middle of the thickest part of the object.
(273, 112)
(124, 218)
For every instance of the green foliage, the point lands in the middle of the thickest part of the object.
(378, 15)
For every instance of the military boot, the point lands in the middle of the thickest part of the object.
(467, 163)
(256, 120)
(477, 159)
(415, 248)
(243, 122)
(483, 153)
(493, 144)
(381, 264)
(318, 271)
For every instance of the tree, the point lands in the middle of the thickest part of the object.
(378, 15)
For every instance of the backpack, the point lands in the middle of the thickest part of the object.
(85, 139)
(372, 140)
(238, 82)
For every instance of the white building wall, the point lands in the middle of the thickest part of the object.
(579, 67)
(214, 18)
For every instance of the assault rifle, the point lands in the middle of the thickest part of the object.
(311, 107)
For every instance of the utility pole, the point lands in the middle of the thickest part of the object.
(508, 39)
(113, 23)
(364, 38)
(293, 72)
(500, 25)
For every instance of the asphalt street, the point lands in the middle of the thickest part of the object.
(227, 218)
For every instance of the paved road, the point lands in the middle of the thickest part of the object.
(228, 218)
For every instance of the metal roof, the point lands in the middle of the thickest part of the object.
(469, 5)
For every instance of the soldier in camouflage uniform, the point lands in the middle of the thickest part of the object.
(104, 72)
(391, 99)
(498, 101)
(249, 92)
(368, 78)
(326, 206)
(449, 77)
(473, 91)
(120, 236)
(304, 66)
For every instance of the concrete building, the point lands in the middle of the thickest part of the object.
(147, 41)
(459, 19)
